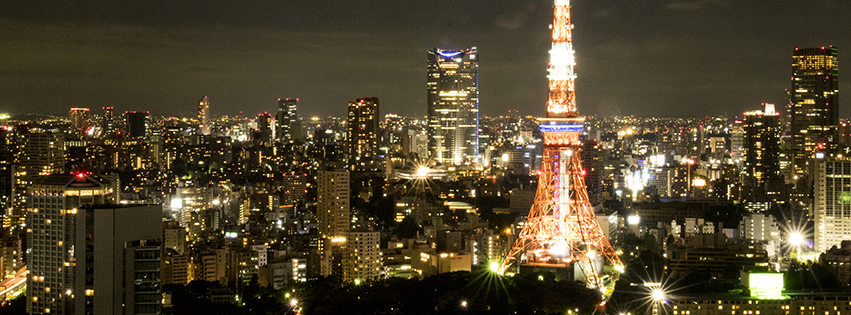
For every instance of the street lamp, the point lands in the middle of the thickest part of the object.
(658, 299)
(494, 266)
(796, 239)
(658, 295)
(422, 171)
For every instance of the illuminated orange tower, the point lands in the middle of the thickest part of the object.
(561, 229)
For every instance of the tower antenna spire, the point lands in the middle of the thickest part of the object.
(561, 72)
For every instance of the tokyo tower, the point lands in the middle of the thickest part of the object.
(561, 232)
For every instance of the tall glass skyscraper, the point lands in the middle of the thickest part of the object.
(813, 98)
(453, 105)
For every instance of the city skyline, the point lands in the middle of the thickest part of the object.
(569, 205)
(639, 59)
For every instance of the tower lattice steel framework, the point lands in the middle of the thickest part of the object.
(562, 229)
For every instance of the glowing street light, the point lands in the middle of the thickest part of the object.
(658, 299)
(293, 302)
(464, 304)
(422, 171)
(658, 295)
(796, 239)
(494, 266)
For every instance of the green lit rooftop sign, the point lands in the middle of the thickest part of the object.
(766, 285)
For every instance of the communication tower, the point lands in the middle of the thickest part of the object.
(561, 231)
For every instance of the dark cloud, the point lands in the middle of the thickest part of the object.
(511, 21)
(691, 5)
(603, 13)
(683, 58)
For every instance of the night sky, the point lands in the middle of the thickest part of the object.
(681, 58)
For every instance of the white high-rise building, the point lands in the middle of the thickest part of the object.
(831, 210)
(761, 228)
(51, 255)
(82, 252)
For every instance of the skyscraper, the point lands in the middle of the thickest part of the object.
(43, 153)
(263, 134)
(289, 127)
(333, 202)
(831, 201)
(51, 221)
(761, 148)
(81, 121)
(813, 98)
(137, 124)
(107, 122)
(453, 105)
(363, 134)
(7, 173)
(204, 115)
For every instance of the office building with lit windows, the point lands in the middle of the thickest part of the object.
(107, 122)
(53, 205)
(813, 98)
(453, 105)
(289, 127)
(80, 120)
(831, 210)
(42, 153)
(363, 134)
(88, 256)
(761, 150)
(333, 202)
(362, 258)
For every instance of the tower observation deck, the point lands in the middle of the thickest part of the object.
(561, 233)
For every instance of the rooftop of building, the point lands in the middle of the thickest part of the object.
(77, 180)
